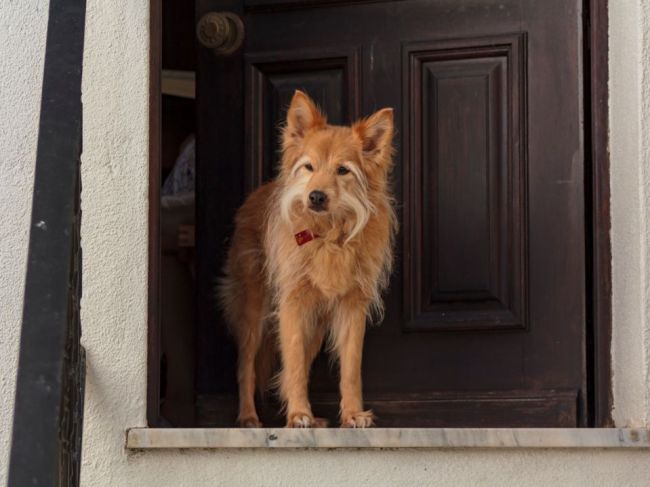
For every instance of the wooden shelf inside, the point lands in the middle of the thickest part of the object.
(179, 83)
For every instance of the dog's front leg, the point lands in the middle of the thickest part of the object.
(349, 331)
(294, 327)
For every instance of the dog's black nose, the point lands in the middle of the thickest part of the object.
(317, 198)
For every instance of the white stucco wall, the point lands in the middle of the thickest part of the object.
(114, 238)
(630, 180)
(22, 39)
(644, 164)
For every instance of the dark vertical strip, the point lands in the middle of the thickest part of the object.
(49, 389)
(153, 319)
(597, 217)
(220, 180)
(587, 396)
(600, 219)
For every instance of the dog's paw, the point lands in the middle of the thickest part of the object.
(361, 419)
(305, 420)
(300, 420)
(249, 422)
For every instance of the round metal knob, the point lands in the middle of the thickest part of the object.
(223, 32)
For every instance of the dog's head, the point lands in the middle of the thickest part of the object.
(331, 172)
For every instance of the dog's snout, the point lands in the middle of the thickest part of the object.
(317, 198)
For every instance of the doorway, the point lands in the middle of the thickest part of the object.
(490, 309)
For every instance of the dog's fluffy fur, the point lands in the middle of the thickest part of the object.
(281, 296)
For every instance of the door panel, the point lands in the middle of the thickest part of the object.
(329, 76)
(464, 185)
(488, 296)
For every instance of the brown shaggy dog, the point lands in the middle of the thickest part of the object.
(311, 254)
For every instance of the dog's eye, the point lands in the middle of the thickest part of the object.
(309, 167)
(342, 170)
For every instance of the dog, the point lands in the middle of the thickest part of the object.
(310, 257)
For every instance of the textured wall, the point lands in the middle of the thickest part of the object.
(22, 39)
(644, 164)
(397, 468)
(630, 175)
(114, 171)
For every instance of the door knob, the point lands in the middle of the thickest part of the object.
(223, 32)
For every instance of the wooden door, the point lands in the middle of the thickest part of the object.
(485, 322)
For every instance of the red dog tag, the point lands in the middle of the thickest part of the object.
(304, 237)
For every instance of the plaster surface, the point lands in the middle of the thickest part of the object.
(630, 205)
(403, 467)
(644, 161)
(23, 28)
(114, 171)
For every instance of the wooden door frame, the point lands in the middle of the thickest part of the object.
(154, 260)
(597, 215)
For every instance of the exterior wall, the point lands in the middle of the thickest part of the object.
(114, 239)
(630, 182)
(644, 164)
(397, 468)
(22, 52)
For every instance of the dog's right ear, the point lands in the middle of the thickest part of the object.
(303, 115)
(376, 135)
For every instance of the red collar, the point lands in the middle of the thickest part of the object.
(305, 236)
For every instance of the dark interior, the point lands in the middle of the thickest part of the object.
(177, 224)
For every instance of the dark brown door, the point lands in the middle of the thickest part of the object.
(485, 319)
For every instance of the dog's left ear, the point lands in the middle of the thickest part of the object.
(376, 135)
(303, 115)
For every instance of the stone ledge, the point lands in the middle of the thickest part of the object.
(156, 438)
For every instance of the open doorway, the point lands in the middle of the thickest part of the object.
(488, 317)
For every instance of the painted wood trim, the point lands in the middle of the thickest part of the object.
(155, 124)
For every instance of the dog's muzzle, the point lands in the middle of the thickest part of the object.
(317, 200)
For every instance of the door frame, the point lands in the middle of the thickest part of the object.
(597, 214)
(154, 245)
